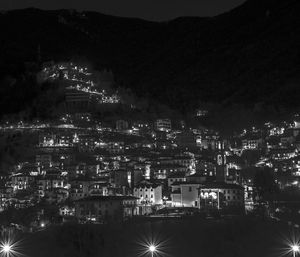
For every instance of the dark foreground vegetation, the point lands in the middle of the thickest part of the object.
(240, 237)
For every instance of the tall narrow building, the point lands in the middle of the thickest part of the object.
(221, 168)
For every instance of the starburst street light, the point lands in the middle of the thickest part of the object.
(295, 249)
(152, 249)
(5, 249)
(149, 245)
(10, 248)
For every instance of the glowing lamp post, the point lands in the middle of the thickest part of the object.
(152, 250)
(295, 249)
(6, 249)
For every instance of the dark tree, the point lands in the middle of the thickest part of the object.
(264, 183)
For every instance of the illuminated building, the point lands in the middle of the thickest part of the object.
(206, 167)
(283, 153)
(185, 194)
(86, 143)
(83, 186)
(276, 131)
(66, 211)
(221, 167)
(176, 178)
(115, 147)
(50, 181)
(202, 113)
(207, 195)
(22, 181)
(163, 171)
(148, 193)
(252, 143)
(163, 125)
(221, 196)
(183, 161)
(207, 140)
(144, 168)
(99, 188)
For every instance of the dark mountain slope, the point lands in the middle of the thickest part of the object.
(249, 55)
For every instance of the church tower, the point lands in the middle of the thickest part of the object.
(221, 168)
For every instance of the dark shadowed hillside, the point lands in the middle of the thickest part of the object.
(249, 55)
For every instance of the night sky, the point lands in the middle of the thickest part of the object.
(146, 9)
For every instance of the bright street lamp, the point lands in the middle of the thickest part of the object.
(6, 249)
(295, 249)
(152, 250)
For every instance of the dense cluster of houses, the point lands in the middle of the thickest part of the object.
(96, 173)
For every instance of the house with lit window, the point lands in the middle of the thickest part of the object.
(22, 181)
(163, 125)
(252, 143)
(163, 171)
(176, 177)
(215, 195)
(115, 147)
(221, 196)
(148, 193)
(184, 161)
(87, 143)
(185, 194)
(99, 188)
(81, 187)
(50, 182)
(280, 154)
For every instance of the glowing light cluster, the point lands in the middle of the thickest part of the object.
(80, 79)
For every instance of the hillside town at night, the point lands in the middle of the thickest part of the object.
(150, 128)
(78, 168)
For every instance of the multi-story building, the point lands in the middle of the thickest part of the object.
(207, 195)
(177, 177)
(148, 193)
(106, 208)
(22, 181)
(115, 147)
(87, 143)
(252, 143)
(283, 153)
(185, 194)
(163, 171)
(163, 125)
(49, 183)
(222, 195)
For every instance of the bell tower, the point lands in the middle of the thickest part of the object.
(221, 167)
